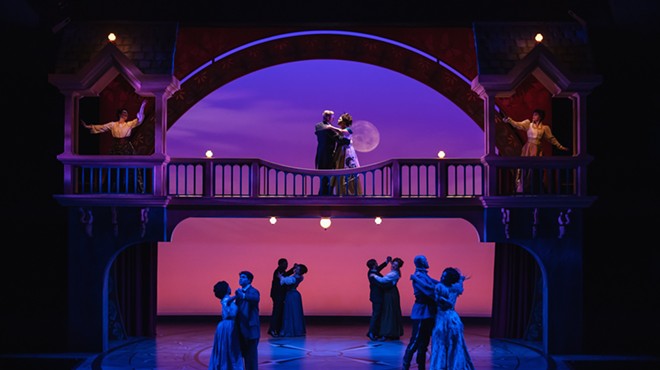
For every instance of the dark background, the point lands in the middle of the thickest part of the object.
(621, 258)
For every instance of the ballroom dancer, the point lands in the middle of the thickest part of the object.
(277, 292)
(293, 318)
(247, 318)
(226, 352)
(422, 314)
(448, 347)
(326, 144)
(376, 295)
(391, 322)
(345, 158)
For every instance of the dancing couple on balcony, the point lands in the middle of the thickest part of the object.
(335, 151)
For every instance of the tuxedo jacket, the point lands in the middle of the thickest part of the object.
(326, 143)
(376, 287)
(277, 290)
(247, 317)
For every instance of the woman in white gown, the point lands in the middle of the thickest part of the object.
(346, 158)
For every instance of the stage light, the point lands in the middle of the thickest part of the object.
(538, 37)
(325, 222)
(112, 37)
(378, 220)
(209, 154)
(441, 154)
(273, 220)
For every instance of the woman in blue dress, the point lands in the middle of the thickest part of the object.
(293, 318)
(391, 319)
(226, 353)
(449, 351)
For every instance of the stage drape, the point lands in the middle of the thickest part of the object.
(135, 274)
(514, 286)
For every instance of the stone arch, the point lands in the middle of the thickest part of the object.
(326, 46)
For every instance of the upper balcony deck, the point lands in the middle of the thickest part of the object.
(249, 186)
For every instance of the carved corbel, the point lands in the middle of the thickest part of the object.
(563, 221)
(506, 217)
(86, 218)
(115, 224)
(144, 219)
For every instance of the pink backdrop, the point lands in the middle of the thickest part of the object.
(270, 114)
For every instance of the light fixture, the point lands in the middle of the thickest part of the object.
(112, 37)
(325, 222)
(538, 37)
(209, 154)
(273, 220)
(378, 220)
(441, 154)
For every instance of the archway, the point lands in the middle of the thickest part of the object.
(322, 46)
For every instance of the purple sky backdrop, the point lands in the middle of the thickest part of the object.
(270, 114)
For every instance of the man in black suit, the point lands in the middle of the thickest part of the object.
(375, 295)
(422, 314)
(277, 292)
(247, 318)
(326, 143)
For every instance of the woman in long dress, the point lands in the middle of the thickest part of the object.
(346, 158)
(293, 318)
(391, 320)
(537, 131)
(226, 352)
(449, 350)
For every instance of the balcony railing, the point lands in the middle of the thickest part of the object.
(256, 178)
(397, 178)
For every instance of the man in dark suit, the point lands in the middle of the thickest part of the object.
(277, 292)
(326, 143)
(375, 295)
(422, 314)
(247, 318)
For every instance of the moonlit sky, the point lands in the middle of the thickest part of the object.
(270, 114)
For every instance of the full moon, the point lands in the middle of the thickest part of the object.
(365, 136)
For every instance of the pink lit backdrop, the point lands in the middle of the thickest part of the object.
(270, 114)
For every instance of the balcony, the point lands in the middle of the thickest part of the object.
(137, 180)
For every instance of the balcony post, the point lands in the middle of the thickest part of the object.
(580, 139)
(71, 118)
(396, 179)
(490, 171)
(254, 179)
(442, 179)
(208, 179)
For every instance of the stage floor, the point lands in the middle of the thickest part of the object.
(335, 345)
(330, 344)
